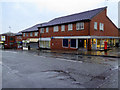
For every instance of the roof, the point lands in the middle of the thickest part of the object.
(87, 15)
(33, 28)
(18, 34)
(8, 34)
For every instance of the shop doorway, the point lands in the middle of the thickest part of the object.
(80, 43)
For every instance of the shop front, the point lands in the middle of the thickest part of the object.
(25, 44)
(44, 43)
(34, 44)
(87, 42)
(19, 45)
(1, 45)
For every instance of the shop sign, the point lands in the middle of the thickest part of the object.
(2, 38)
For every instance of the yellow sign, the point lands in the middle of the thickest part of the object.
(2, 38)
(1, 42)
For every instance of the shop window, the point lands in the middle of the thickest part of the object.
(63, 28)
(80, 26)
(70, 27)
(73, 43)
(65, 42)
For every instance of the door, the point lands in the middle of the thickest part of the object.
(80, 43)
(34, 45)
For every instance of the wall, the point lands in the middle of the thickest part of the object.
(74, 32)
(26, 37)
(109, 27)
(8, 41)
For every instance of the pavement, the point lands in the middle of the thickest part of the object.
(114, 52)
(37, 69)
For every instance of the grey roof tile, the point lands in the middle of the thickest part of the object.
(87, 15)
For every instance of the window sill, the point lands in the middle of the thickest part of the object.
(79, 29)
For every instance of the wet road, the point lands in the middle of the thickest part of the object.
(28, 69)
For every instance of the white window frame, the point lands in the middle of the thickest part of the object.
(101, 25)
(65, 46)
(70, 27)
(23, 34)
(47, 29)
(27, 34)
(95, 25)
(56, 29)
(31, 34)
(62, 28)
(76, 44)
(20, 37)
(42, 30)
(80, 26)
(36, 33)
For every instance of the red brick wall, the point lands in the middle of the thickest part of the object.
(26, 37)
(57, 44)
(74, 32)
(8, 41)
(109, 28)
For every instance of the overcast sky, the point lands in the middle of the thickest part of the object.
(21, 14)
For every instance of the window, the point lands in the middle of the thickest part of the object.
(11, 43)
(101, 26)
(27, 34)
(31, 34)
(23, 34)
(42, 30)
(65, 42)
(70, 27)
(36, 33)
(80, 26)
(20, 37)
(47, 30)
(73, 43)
(11, 38)
(95, 25)
(55, 28)
(63, 28)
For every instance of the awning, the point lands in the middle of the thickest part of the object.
(44, 39)
(25, 41)
(33, 39)
(1, 42)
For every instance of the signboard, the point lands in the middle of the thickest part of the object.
(2, 38)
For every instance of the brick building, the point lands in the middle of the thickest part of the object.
(86, 30)
(30, 37)
(7, 40)
(18, 39)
